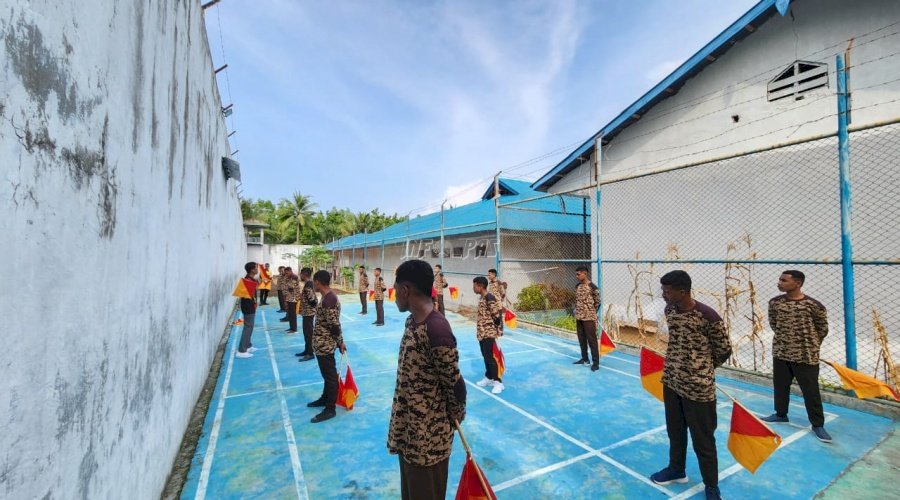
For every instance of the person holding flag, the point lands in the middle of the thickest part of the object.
(698, 343)
(246, 290)
(439, 284)
(430, 393)
(265, 284)
(800, 323)
(308, 303)
(487, 330)
(379, 298)
(362, 287)
(497, 288)
(587, 303)
(327, 338)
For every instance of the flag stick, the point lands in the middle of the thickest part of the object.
(725, 393)
(462, 438)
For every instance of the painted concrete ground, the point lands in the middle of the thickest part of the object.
(558, 431)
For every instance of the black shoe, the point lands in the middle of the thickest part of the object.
(300, 354)
(319, 403)
(712, 493)
(326, 414)
(378, 324)
(581, 362)
(280, 311)
(306, 357)
(374, 322)
(290, 331)
(595, 368)
(283, 320)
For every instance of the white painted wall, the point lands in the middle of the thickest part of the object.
(696, 125)
(122, 239)
(275, 255)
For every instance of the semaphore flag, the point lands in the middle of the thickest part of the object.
(750, 440)
(501, 361)
(509, 318)
(391, 294)
(348, 392)
(606, 344)
(652, 364)
(245, 288)
(454, 293)
(470, 483)
(863, 385)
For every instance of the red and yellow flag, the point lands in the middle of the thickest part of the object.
(652, 364)
(501, 361)
(265, 278)
(863, 385)
(454, 293)
(606, 344)
(348, 393)
(239, 321)
(371, 294)
(391, 294)
(750, 441)
(509, 318)
(470, 483)
(245, 289)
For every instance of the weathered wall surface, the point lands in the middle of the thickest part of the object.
(121, 239)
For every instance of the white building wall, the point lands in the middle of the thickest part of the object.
(122, 240)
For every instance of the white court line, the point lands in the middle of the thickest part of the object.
(573, 357)
(299, 481)
(571, 346)
(734, 469)
(348, 317)
(376, 337)
(217, 423)
(572, 440)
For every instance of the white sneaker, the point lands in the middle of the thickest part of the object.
(252, 349)
(484, 382)
(498, 388)
(243, 355)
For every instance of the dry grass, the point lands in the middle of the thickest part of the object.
(891, 374)
(739, 287)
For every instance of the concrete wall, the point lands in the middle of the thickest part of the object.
(111, 140)
(274, 255)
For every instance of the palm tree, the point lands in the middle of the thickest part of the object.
(294, 212)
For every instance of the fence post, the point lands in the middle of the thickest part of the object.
(366, 247)
(843, 96)
(596, 213)
(497, 219)
(442, 233)
(382, 250)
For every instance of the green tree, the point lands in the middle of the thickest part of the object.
(316, 257)
(294, 212)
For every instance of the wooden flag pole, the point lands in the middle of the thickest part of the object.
(725, 393)
(462, 438)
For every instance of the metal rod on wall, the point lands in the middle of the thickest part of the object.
(497, 218)
(442, 234)
(843, 102)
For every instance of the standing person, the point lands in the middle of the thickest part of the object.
(327, 337)
(265, 284)
(379, 298)
(363, 288)
(430, 393)
(587, 303)
(308, 303)
(498, 289)
(291, 298)
(698, 343)
(487, 329)
(439, 284)
(800, 323)
(278, 284)
(248, 311)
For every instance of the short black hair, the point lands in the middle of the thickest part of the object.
(481, 280)
(581, 268)
(362, 267)
(439, 266)
(797, 275)
(248, 266)
(288, 268)
(323, 277)
(280, 267)
(493, 271)
(677, 279)
(378, 269)
(306, 271)
(417, 273)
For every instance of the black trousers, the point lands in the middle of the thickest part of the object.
(364, 301)
(441, 302)
(784, 372)
(683, 415)
(490, 364)
(281, 300)
(308, 323)
(263, 296)
(379, 311)
(423, 483)
(292, 315)
(587, 336)
(330, 375)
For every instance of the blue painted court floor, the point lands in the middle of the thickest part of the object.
(557, 431)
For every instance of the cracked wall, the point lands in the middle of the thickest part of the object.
(123, 238)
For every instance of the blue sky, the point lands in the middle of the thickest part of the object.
(399, 105)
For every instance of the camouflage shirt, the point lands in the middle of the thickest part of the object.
(308, 300)
(490, 317)
(698, 343)
(291, 288)
(587, 301)
(363, 285)
(440, 283)
(430, 393)
(379, 288)
(327, 335)
(498, 290)
(799, 326)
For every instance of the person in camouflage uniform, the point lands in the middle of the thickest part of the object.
(698, 344)
(439, 285)
(487, 330)
(379, 298)
(362, 286)
(308, 303)
(800, 324)
(291, 287)
(276, 282)
(430, 393)
(327, 337)
(587, 303)
(497, 288)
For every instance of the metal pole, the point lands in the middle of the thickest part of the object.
(366, 247)
(382, 250)
(843, 96)
(497, 218)
(598, 145)
(442, 233)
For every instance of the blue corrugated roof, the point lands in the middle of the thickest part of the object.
(744, 26)
(552, 214)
